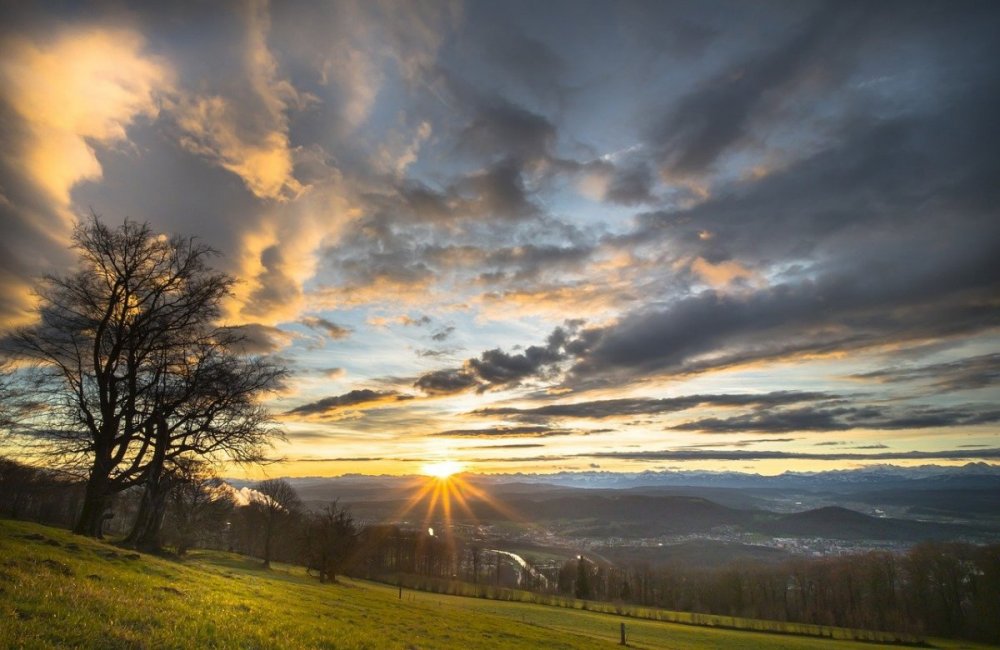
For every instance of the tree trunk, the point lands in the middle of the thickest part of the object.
(95, 503)
(267, 543)
(145, 534)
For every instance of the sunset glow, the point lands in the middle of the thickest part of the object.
(442, 470)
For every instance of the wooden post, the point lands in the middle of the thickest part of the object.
(623, 634)
(401, 592)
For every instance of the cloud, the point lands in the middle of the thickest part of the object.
(496, 192)
(443, 333)
(631, 186)
(506, 131)
(989, 453)
(645, 406)
(528, 431)
(708, 454)
(67, 92)
(262, 339)
(722, 274)
(843, 418)
(510, 446)
(838, 311)
(337, 404)
(963, 374)
(221, 127)
(416, 322)
(331, 329)
(78, 86)
(446, 382)
(496, 369)
(719, 114)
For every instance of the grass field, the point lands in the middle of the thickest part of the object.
(58, 590)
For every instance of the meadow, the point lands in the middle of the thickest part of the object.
(59, 590)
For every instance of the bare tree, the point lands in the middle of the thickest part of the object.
(114, 344)
(281, 502)
(6, 397)
(209, 409)
(329, 538)
(198, 509)
(15, 401)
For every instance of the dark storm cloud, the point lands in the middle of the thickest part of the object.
(963, 374)
(843, 418)
(326, 326)
(646, 406)
(359, 397)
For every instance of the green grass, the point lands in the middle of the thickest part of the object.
(58, 590)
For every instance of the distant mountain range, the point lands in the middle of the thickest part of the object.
(887, 503)
(970, 475)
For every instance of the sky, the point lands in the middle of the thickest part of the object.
(538, 237)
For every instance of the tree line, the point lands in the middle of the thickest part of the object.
(939, 589)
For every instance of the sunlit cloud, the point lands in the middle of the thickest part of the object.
(71, 91)
(255, 149)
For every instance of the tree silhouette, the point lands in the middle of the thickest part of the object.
(280, 501)
(134, 371)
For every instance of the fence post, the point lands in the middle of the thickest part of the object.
(623, 634)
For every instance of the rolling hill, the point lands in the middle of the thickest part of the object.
(58, 590)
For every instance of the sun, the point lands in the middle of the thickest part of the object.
(443, 469)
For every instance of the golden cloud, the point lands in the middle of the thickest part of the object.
(261, 156)
(82, 86)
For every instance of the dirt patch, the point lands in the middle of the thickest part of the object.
(94, 576)
(73, 547)
(171, 590)
(38, 537)
(58, 567)
(132, 556)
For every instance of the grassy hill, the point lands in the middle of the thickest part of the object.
(58, 590)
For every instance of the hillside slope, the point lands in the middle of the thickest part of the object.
(58, 590)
